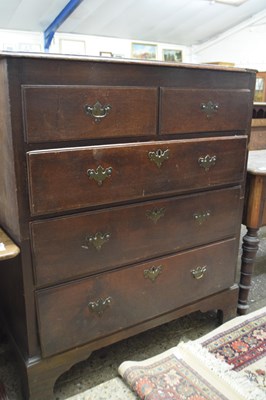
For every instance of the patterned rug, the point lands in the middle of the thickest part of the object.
(243, 347)
(227, 364)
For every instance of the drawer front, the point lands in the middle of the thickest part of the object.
(191, 110)
(70, 247)
(62, 113)
(75, 178)
(98, 306)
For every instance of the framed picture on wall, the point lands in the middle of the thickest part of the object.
(106, 54)
(172, 55)
(9, 47)
(144, 51)
(259, 90)
(30, 47)
(69, 46)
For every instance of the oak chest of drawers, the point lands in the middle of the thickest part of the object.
(122, 183)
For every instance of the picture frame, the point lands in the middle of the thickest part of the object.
(72, 46)
(106, 54)
(259, 90)
(30, 47)
(8, 47)
(144, 51)
(172, 55)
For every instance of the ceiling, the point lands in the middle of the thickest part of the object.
(183, 22)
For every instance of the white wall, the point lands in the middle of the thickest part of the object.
(79, 44)
(245, 45)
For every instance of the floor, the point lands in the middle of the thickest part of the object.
(102, 365)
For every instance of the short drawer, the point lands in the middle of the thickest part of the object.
(199, 110)
(75, 178)
(95, 307)
(63, 113)
(69, 247)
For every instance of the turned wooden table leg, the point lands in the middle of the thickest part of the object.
(250, 247)
(254, 217)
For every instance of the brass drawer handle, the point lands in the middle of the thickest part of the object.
(97, 111)
(199, 272)
(201, 217)
(153, 272)
(100, 305)
(100, 174)
(207, 161)
(97, 240)
(155, 214)
(209, 108)
(159, 156)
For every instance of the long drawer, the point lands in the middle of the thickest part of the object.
(75, 178)
(74, 246)
(63, 113)
(82, 311)
(199, 110)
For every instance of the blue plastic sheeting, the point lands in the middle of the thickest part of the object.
(62, 16)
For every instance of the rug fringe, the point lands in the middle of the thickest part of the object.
(245, 388)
